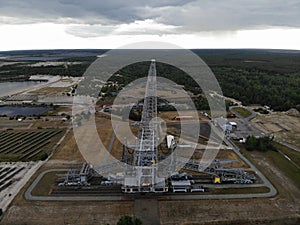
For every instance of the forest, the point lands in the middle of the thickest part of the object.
(253, 85)
(265, 77)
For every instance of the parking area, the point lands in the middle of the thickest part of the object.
(245, 129)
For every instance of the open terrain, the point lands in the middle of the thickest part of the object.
(284, 208)
(234, 71)
(280, 124)
(281, 209)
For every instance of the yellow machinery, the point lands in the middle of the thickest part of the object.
(217, 180)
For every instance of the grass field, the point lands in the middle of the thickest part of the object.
(293, 155)
(285, 166)
(68, 151)
(282, 163)
(252, 190)
(242, 111)
(44, 186)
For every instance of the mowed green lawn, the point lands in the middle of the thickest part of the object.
(292, 154)
(242, 111)
(277, 158)
(44, 186)
(287, 167)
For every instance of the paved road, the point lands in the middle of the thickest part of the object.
(17, 124)
(296, 148)
(187, 196)
(266, 182)
(245, 128)
(29, 196)
(113, 137)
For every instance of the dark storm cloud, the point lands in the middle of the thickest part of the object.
(85, 11)
(186, 16)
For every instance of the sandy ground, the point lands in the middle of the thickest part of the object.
(50, 91)
(283, 126)
(67, 153)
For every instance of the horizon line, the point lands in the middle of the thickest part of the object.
(108, 49)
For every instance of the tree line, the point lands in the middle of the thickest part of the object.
(270, 79)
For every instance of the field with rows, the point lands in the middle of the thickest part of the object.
(28, 145)
(6, 175)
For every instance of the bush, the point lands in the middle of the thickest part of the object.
(128, 220)
(261, 144)
(44, 156)
(251, 143)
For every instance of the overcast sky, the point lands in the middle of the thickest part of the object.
(57, 24)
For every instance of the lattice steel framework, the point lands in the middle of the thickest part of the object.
(144, 177)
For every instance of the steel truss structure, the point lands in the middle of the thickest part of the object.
(142, 176)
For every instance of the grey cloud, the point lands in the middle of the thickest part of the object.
(186, 15)
(117, 11)
(233, 15)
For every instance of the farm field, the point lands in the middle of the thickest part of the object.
(30, 145)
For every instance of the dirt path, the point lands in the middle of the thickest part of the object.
(147, 211)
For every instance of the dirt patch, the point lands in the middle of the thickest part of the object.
(169, 116)
(147, 211)
(61, 213)
(68, 152)
(47, 91)
(231, 155)
(254, 211)
(272, 127)
(293, 112)
(283, 126)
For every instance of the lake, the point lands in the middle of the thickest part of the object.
(8, 88)
(23, 110)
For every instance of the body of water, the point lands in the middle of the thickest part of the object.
(8, 88)
(23, 110)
